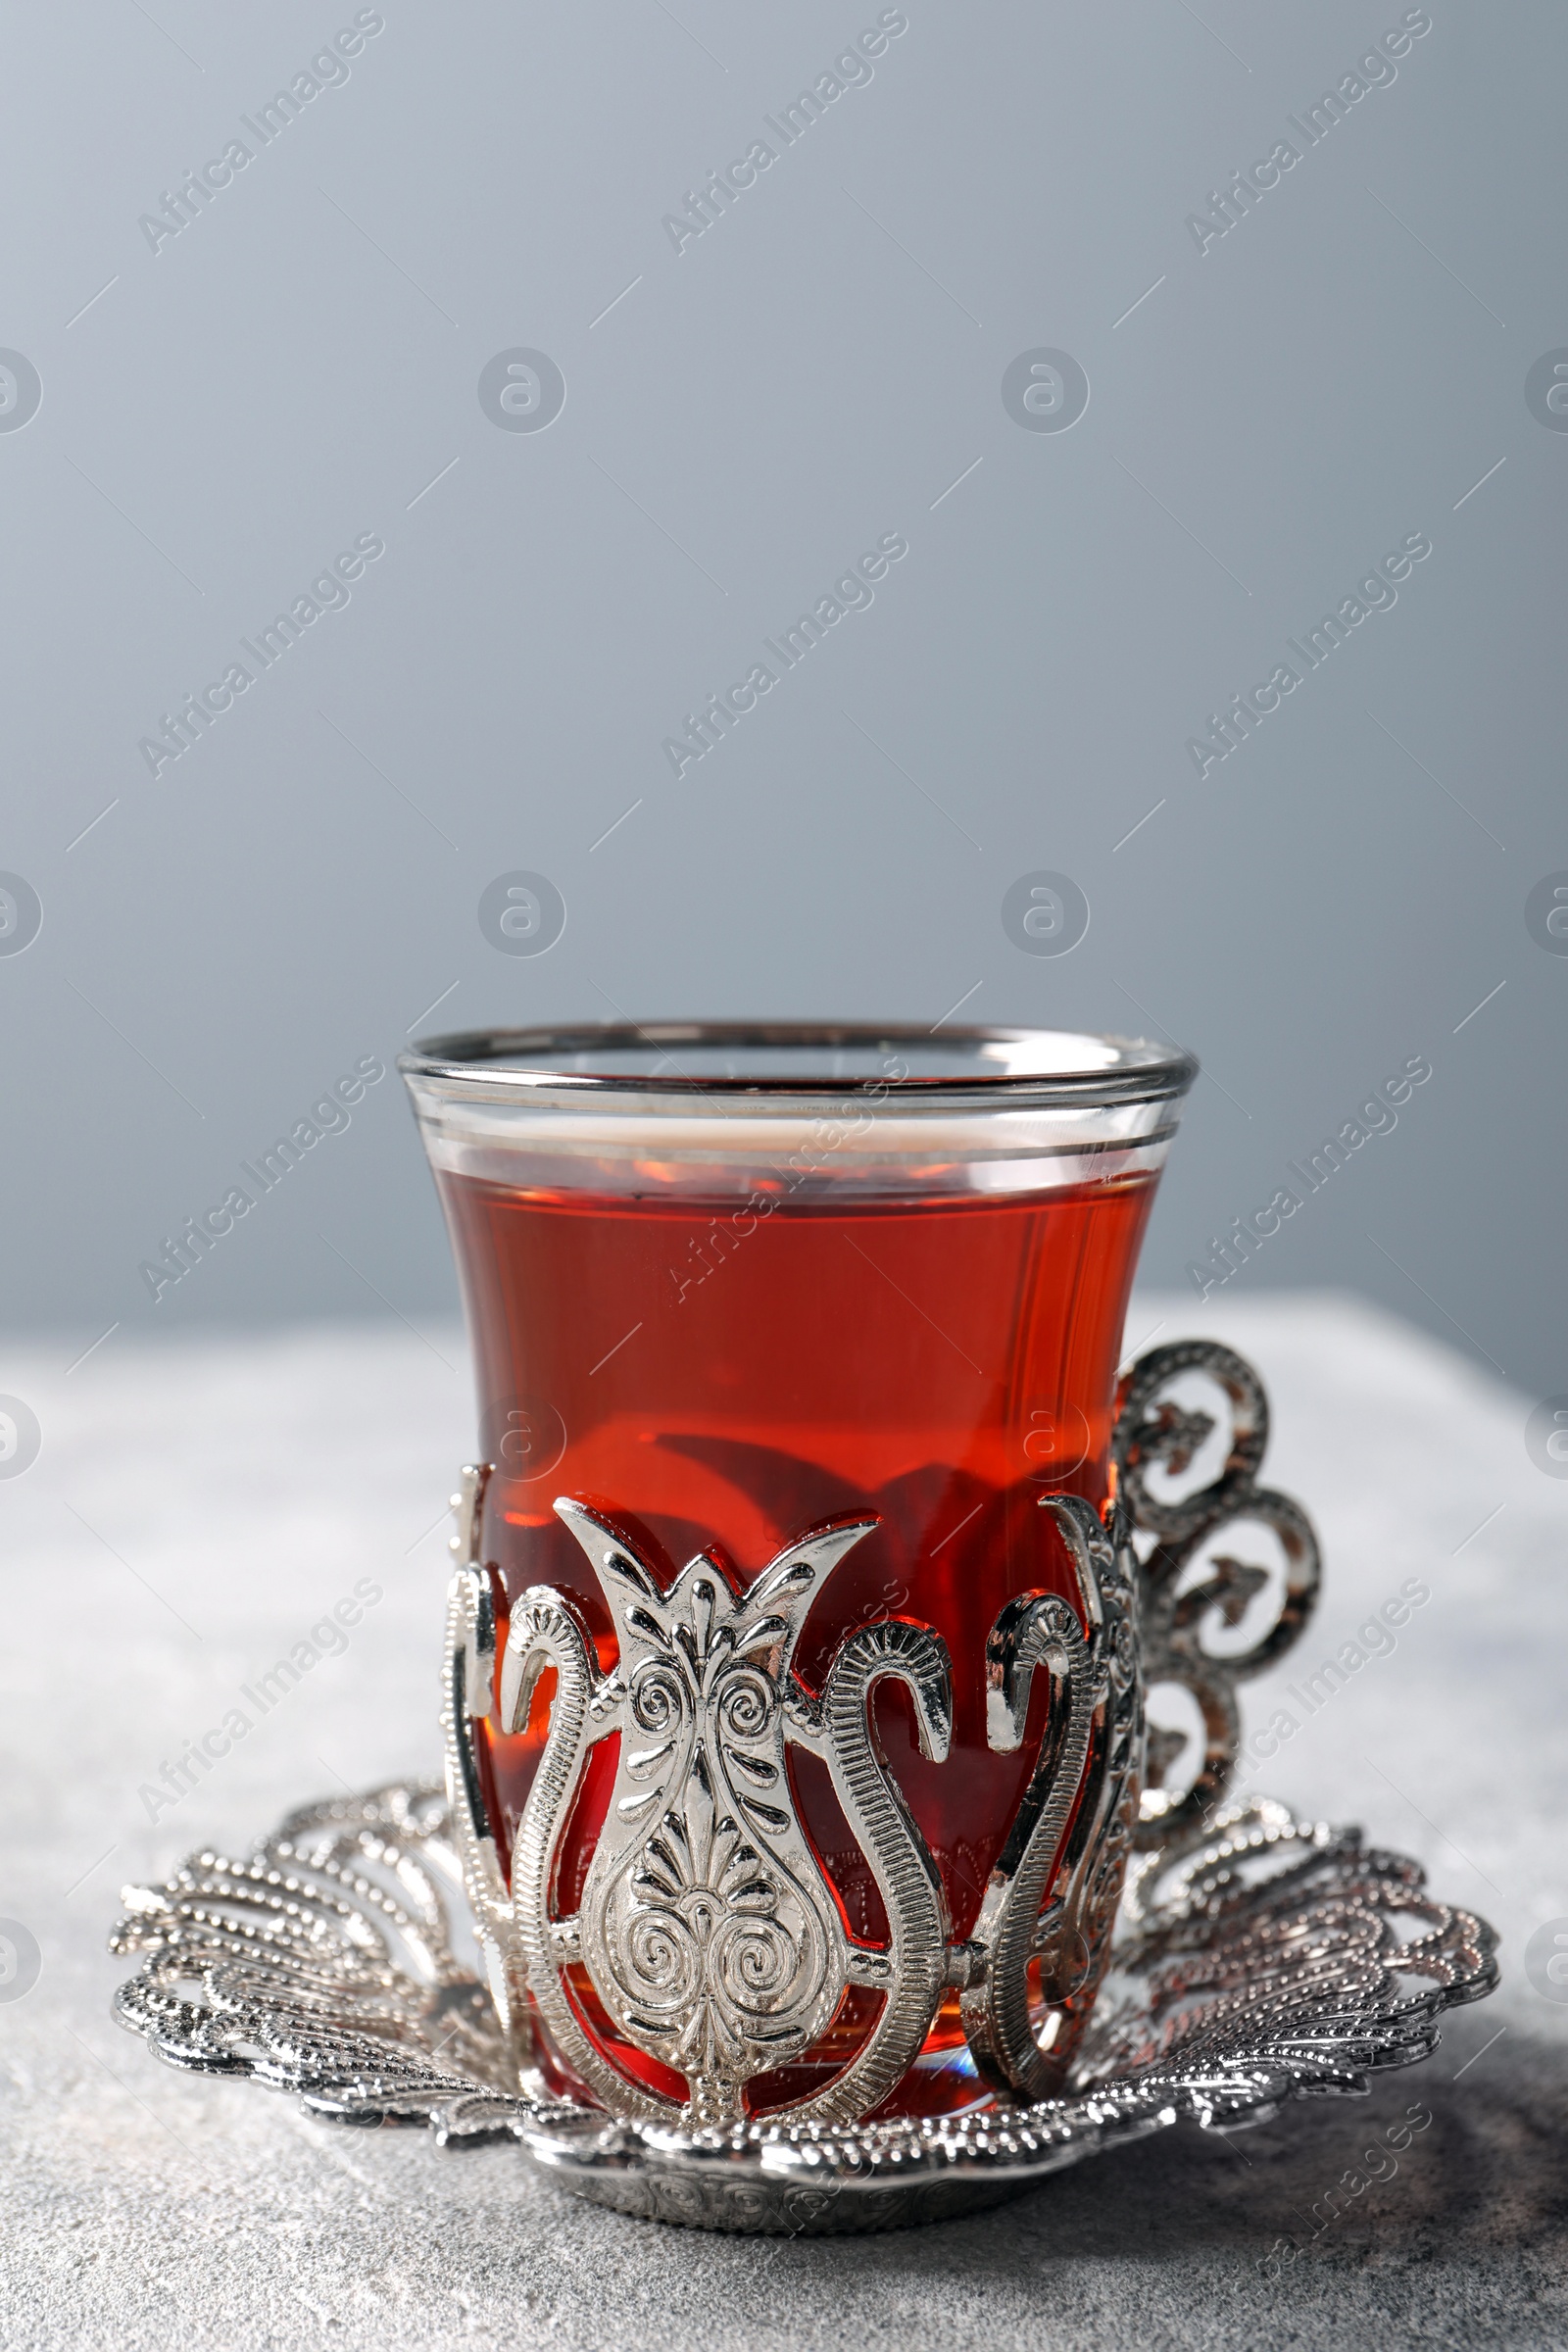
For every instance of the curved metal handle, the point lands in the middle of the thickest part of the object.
(1154, 1431)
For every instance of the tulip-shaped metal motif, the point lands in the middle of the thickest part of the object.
(707, 1924)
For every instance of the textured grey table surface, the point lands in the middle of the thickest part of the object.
(197, 1510)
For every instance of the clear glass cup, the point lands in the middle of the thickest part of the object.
(728, 1287)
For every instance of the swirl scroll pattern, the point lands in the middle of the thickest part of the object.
(1188, 1594)
(712, 1938)
(319, 1963)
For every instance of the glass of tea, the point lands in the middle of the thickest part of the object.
(793, 1716)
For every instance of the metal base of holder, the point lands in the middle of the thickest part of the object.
(1258, 1965)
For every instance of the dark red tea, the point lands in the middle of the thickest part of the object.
(714, 1380)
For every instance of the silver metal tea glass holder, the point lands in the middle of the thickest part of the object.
(1198, 1958)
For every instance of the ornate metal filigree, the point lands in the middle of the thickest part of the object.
(1073, 1934)
(1264, 1957)
(467, 1685)
(708, 1927)
(711, 1934)
(1159, 1437)
(322, 1964)
(1087, 1773)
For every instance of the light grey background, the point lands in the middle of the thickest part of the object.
(300, 364)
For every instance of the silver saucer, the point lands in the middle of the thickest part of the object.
(1275, 1960)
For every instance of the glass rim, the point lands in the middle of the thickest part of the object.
(517, 1063)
